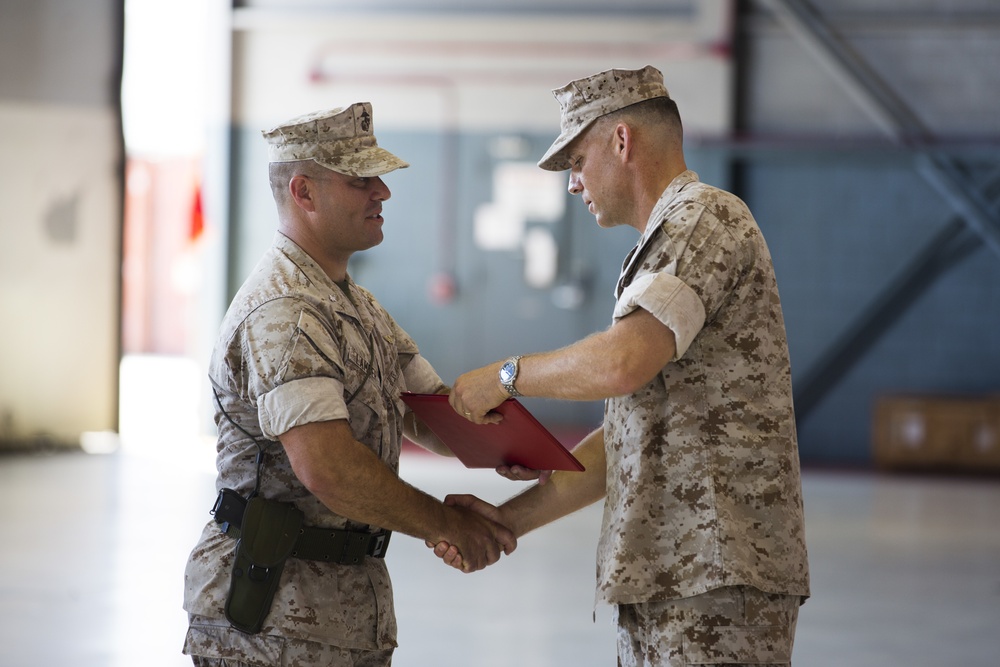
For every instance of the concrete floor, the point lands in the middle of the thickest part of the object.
(906, 570)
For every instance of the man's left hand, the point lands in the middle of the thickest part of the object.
(477, 392)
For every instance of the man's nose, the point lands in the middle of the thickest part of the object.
(381, 191)
(575, 187)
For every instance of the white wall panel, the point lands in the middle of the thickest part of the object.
(476, 72)
(59, 272)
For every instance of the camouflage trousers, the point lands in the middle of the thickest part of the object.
(735, 625)
(212, 643)
(349, 659)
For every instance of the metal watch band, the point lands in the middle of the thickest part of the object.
(509, 384)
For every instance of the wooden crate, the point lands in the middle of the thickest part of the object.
(937, 433)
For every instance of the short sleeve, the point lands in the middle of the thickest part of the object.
(299, 402)
(296, 371)
(719, 250)
(670, 301)
(421, 377)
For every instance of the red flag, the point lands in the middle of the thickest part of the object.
(197, 216)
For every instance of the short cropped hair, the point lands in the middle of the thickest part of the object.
(655, 111)
(280, 173)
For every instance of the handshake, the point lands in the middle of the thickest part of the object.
(484, 531)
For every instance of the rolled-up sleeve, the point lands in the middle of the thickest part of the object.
(303, 401)
(421, 377)
(669, 300)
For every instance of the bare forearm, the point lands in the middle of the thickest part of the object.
(353, 482)
(363, 488)
(564, 493)
(588, 370)
(615, 362)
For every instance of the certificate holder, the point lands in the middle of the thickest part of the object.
(519, 439)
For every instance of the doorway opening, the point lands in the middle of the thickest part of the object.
(165, 261)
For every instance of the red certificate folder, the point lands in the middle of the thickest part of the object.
(517, 440)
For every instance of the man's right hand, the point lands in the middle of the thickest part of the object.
(481, 539)
(455, 555)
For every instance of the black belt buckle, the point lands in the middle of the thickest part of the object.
(380, 544)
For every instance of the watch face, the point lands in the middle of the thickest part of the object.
(507, 372)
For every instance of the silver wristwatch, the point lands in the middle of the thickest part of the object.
(508, 374)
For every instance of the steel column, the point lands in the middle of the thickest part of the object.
(898, 121)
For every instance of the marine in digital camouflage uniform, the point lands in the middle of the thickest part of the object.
(309, 365)
(702, 548)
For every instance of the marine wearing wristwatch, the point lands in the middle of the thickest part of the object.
(508, 374)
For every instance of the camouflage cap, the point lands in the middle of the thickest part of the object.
(340, 139)
(583, 101)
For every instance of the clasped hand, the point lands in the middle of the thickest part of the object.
(450, 554)
(505, 539)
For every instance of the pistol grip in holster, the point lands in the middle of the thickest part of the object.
(267, 537)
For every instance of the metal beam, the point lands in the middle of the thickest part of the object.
(904, 127)
(948, 247)
(946, 176)
(850, 69)
(891, 114)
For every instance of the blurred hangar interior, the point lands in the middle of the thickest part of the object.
(864, 136)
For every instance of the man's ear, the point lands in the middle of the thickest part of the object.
(623, 141)
(301, 191)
